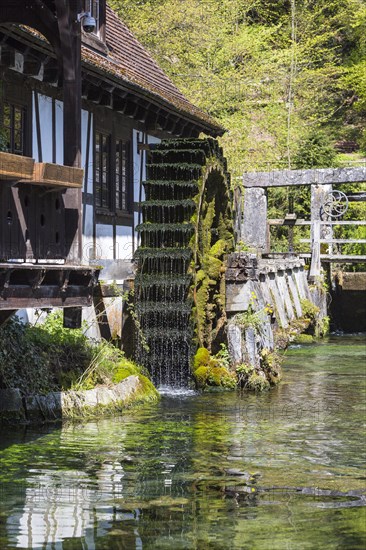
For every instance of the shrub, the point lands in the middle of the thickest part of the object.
(49, 357)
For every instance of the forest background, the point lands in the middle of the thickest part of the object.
(286, 78)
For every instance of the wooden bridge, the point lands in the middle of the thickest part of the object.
(327, 207)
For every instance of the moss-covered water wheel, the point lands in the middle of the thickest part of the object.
(185, 234)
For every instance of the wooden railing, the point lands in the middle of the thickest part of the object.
(316, 241)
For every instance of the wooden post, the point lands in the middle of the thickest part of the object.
(315, 252)
(70, 36)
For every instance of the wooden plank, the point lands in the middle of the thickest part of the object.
(280, 222)
(57, 175)
(318, 176)
(340, 241)
(357, 197)
(49, 267)
(337, 258)
(15, 167)
(315, 265)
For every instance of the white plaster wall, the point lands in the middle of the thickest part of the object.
(104, 242)
(45, 117)
(59, 132)
(124, 248)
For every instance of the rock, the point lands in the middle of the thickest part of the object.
(11, 405)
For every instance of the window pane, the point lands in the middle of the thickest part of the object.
(102, 171)
(13, 127)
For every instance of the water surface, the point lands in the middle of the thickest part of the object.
(281, 470)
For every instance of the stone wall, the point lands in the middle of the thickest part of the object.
(71, 404)
(254, 284)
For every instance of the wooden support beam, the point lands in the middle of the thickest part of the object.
(357, 197)
(338, 258)
(308, 222)
(319, 176)
(5, 316)
(315, 265)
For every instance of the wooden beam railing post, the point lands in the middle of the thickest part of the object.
(315, 264)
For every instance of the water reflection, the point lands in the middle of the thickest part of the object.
(279, 470)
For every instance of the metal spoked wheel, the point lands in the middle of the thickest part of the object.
(335, 204)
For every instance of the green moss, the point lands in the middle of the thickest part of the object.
(218, 249)
(123, 370)
(148, 393)
(304, 339)
(257, 382)
(202, 357)
(201, 376)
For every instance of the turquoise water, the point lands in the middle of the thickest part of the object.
(280, 470)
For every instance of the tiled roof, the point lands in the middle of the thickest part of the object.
(128, 60)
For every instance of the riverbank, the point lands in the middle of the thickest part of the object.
(76, 405)
(49, 373)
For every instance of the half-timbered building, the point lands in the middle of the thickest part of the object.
(77, 110)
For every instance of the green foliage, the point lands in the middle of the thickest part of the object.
(49, 357)
(309, 310)
(212, 371)
(316, 151)
(270, 83)
(3, 141)
(260, 377)
(304, 339)
(257, 382)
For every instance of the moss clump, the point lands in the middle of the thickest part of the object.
(148, 393)
(304, 339)
(221, 377)
(123, 370)
(260, 377)
(212, 371)
(258, 382)
(218, 249)
(201, 376)
(202, 357)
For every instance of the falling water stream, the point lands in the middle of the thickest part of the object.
(278, 470)
(164, 340)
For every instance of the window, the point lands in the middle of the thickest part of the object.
(102, 171)
(13, 128)
(111, 174)
(121, 176)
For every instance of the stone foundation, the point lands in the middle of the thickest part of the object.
(71, 404)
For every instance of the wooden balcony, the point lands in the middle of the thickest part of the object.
(25, 170)
(15, 167)
(57, 175)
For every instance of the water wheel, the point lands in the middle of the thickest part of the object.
(185, 234)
